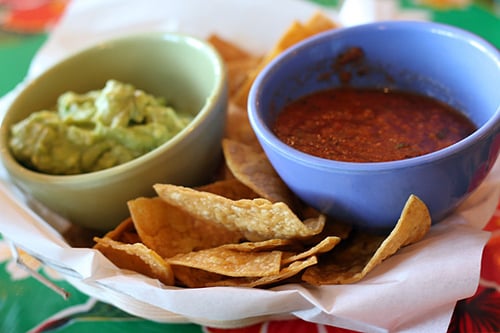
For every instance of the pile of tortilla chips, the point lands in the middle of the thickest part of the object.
(247, 228)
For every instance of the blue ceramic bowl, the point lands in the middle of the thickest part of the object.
(440, 61)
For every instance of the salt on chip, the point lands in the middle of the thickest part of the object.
(169, 230)
(136, 257)
(252, 167)
(258, 219)
(229, 262)
(362, 251)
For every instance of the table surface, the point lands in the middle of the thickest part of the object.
(27, 305)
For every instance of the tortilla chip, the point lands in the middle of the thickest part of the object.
(353, 259)
(319, 22)
(238, 71)
(228, 51)
(285, 273)
(271, 244)
(136, 257)
(238, 61)
(124, 232)
(332, 228)
(169, 230)
(229, 262)
(125, 226)
(195, 278)
(325, 245)
(230, 188)
(295, 33)
(252, 167)
(258, 219)
(238, 127)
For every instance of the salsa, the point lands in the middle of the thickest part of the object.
(95, 130)
(368, 125)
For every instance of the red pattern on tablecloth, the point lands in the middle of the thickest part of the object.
(30, 16)
(295, 326)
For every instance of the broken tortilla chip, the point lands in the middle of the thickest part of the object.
(352, 260)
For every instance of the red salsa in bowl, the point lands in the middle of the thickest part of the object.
(379, 147)
(369, 125)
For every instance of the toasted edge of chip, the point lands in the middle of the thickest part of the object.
(238, 126)
(169, 230)
(319, 22)
(295, 33)
(231, 188)
(413, 225)
(325, 245)
(258, 219)
(229, 51)
(230, 262)
(136, 257)
(271, 244)
(251, 166)
(287, 272)
(194, 278)
(120, 231)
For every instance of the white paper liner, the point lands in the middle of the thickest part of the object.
(413, 291)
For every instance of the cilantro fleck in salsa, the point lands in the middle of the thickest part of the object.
(367, 125)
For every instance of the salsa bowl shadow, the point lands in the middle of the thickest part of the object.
(439, 61)
(188, 72)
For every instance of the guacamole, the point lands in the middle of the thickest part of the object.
(95, 130)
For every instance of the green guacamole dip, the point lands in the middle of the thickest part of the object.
(95, 130)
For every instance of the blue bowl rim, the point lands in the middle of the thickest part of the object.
(264, 133)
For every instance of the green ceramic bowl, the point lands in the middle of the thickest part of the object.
(185, 70)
